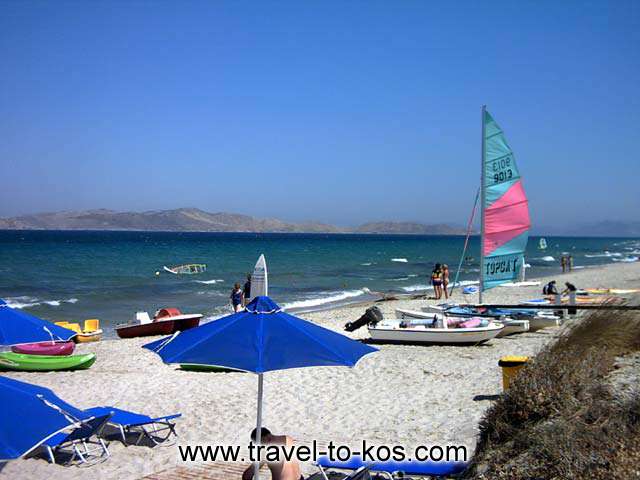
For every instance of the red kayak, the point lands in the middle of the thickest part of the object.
(45, 348)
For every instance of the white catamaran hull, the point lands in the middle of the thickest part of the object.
(391, 331)
(511, 327)
(540, 322)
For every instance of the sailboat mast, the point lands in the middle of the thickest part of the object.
(482, 203)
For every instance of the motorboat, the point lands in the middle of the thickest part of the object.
(448, 330)
(511, 325)
(165, 322)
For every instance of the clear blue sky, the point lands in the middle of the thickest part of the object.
(343, 111)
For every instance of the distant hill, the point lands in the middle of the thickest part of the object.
(409, 227)
(196, 220)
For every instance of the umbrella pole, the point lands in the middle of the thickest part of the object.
(256, 465)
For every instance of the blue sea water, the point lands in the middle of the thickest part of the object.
(111, 275)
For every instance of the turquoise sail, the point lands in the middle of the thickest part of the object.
(505, 210)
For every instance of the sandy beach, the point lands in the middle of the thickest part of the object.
(401, 395)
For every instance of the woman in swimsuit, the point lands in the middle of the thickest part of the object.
(445, 280)
(237, 298)
(436, 281)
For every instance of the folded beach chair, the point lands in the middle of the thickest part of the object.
(394, 470)
(78, 444)
(157, 430)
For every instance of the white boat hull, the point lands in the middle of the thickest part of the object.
(538, 323)
(402, 314)
(512, 327)
(392, 332)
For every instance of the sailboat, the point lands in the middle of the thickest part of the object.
(259, 278)
(505, 225)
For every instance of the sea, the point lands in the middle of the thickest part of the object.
(75, 275)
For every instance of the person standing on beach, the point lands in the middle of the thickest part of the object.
(246, 290)
(563, 263)
(436, 280)
(237, 298)
(283, 470)
(445, 280)
(570, 262)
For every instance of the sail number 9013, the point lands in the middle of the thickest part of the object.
(502, 171)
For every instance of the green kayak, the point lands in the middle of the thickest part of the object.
(192, 367)
(44, 363)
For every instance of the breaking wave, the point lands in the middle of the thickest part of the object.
(417, 288)
(333, 297)
(209, 282)
(400, 260)
(605, 254)
(27, 302)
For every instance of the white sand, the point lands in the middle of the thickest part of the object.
(402, 394)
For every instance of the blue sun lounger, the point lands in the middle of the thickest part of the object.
(157, 430)
(392, 469)
(78, 443)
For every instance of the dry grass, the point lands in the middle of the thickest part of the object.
(560, 418)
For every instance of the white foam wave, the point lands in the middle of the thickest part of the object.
(419, 287)
(546, 258)
(366, 264)
(209, 282)
(400, 260)
(28, 302)
(331, 298)
(626, 259)
(400, 279)
(605, 254)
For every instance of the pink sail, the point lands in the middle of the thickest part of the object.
(506, 219)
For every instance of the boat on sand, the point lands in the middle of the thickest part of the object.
(45, 363)
(426, 328)
(511, 325)
(45, 348)
(471, 331)
(165, 322)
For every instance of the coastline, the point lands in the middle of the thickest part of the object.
(402, 394)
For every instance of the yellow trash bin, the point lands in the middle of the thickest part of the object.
(510, 366)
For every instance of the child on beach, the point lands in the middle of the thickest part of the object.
(445, 280)
(237, 298)
(436, 280)
(283, 470)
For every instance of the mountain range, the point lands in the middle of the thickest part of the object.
(196, 220)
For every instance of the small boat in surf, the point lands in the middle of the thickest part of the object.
(186, 269)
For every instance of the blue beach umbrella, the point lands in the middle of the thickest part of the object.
(30, 415)
(260, 339)
(18, 327)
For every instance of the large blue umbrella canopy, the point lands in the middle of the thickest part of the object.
(30, 415)
(18, 327)
(260, 339)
